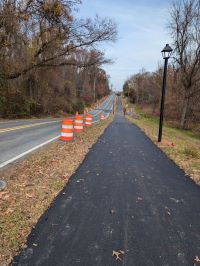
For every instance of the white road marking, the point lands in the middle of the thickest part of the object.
(26, 152)
(106, 105)
(50, 140)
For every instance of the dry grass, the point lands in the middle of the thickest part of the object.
(182, 146)
(34, 183)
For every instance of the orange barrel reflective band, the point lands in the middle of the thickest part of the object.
(67, 130)
(88, 121)
(78, 123)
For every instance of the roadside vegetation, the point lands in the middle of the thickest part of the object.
(182, 103)
(181, 132)
(34, 183)
(182, 146)
(50, 59)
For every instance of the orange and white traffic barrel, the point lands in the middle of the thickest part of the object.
(102, 117)
(67, 130)
(78, 123)
(88, 120)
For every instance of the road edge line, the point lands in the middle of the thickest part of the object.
(26, 152)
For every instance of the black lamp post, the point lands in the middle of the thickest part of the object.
(166, 53)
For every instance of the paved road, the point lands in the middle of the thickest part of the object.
(125, 196)
(106, 107)
(19, 137)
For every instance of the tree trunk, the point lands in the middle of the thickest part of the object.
(184, 112)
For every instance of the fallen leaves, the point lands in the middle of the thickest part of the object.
(30, 195)
(174, 144)
(117, 254)
(65, 177)
(33, 184)
(197, 260)
(4, 195)
(9, 210)
(167, 143)
(139, 199)
(168, 211)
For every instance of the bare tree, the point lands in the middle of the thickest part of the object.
(185, 31)
(47, 55)
(45, 34)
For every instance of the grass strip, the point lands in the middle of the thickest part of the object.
(33, 184)
(182, 146)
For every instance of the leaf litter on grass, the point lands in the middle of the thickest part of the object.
(181, 147)
(33, 183)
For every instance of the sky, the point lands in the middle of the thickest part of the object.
(142, 34)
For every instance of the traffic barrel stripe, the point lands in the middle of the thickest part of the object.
(67, 130)
(78, 123)
(88, 121)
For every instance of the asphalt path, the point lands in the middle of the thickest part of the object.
(127, 195)
(20, 137)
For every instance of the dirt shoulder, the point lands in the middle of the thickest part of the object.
(34, 183)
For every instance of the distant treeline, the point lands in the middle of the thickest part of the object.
(49, 57)
(182, 105)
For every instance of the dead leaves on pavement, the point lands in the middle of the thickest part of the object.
(118, 255)
(139, 199)
(196, 261)
(112, 211)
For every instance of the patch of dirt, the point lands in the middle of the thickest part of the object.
(33, 183)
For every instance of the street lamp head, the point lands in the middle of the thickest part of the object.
(167, 51)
